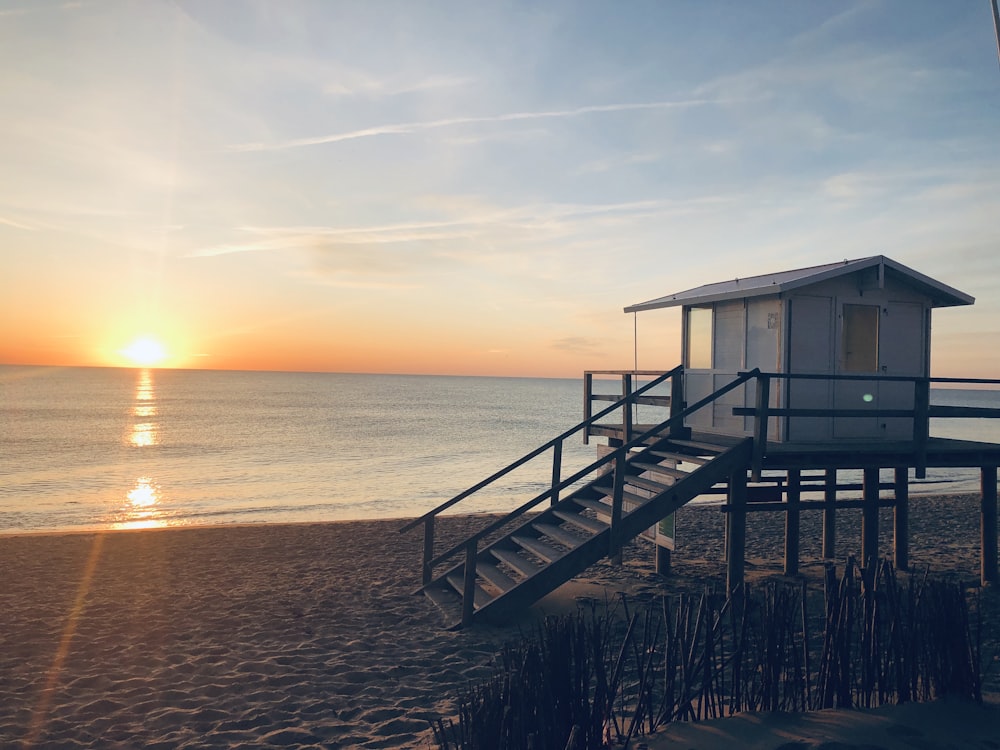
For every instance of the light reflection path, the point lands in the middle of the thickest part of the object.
(40, 714)
(141, 508)
(144, 432)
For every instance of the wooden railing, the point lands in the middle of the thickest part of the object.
(675, 401)
(921, 413)
(552, 493)
(618, 457)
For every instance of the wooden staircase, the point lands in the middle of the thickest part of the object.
(649, 482)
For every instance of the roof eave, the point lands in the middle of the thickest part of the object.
(941, 295)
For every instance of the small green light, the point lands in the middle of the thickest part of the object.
(868, 398)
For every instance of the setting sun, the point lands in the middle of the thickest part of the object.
(145, 352)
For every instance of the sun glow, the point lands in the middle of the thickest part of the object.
(145, 352)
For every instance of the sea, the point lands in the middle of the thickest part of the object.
(84, 449)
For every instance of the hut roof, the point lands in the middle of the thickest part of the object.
(941, 295)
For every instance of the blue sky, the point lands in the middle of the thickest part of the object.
(477, 188)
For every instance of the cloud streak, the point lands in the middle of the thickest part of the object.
(415, 127)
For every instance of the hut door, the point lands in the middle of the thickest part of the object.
(858, 354)
(902, 353)
(810, 352)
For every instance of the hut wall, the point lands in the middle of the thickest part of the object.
(853, 326)
(745, 333)
(859, 324)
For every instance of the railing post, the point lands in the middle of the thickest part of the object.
(760, 424)
(677, 405)
(921, 424)
(427, 573)
(556, 470)
(617, 500)
(626, 407)
(469, 584)
(588, 408)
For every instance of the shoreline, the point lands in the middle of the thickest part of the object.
(308, 634)
(710, 502)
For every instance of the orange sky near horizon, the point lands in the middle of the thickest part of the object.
(402, 349)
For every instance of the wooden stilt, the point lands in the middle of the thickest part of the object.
(830, 515)
(793, 496)
(662, 560)
(736, 552)
(727, 525)
(869, 518)
(988, 525)
(901, 520)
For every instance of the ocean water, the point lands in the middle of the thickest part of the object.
(95, 448)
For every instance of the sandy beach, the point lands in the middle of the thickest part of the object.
(310, 635)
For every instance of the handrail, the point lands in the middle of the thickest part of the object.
(880, 378)
(538, 451)
(608, 458)
(921, 413)
(831, 376)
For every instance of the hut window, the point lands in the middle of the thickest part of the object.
(699, 338)
(860, 338)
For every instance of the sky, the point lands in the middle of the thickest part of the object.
(477, 188)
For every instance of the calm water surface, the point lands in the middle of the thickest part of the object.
(93, 448)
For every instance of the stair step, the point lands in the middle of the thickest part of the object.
(522, 565)
(538, 548)
(685, 457)
(707, 447)
(597, 506)
(559, 534)
(668, 470)
(481, 597)
(444, 597)
(647, 484)
(609, 492)
(590, 525)
(494, 575)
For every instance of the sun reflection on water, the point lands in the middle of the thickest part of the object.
(142, 507)
(144, 433)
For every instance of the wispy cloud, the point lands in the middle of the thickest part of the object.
(37, 7)
(16, 224)
(606, 165)
(537, 220)
(578, 345)
(414, 127)
(355, 83)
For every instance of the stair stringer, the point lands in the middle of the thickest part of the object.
(597, 547)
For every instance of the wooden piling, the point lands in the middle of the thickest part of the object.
(869, 518)
(988, 525)
(736, 550)
(830, 515)
(901, 519)
(792, 515)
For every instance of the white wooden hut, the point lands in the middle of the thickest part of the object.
(869, 318)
